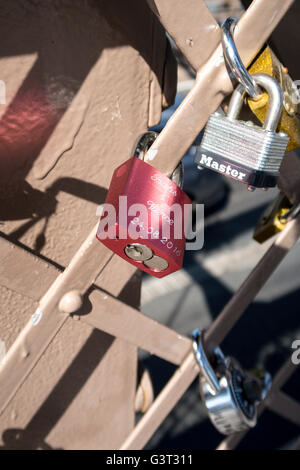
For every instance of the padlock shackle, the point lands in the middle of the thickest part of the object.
(141, 148)
(203, 363)
(275, 101)
(233, 59)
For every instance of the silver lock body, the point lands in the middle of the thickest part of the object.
(244, 144)
(227, 409)
(243, 150)
(230, 395)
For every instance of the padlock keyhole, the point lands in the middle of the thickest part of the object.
(138, 252)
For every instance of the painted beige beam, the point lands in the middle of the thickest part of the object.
(163, 404)
(29, 346)
(285, 406)
(231, 442)
(186, 374)
(252, 285)
(213, 84)
(108, 314)
(283, 375)
(118, 319)
(197, 41)
(34, 277)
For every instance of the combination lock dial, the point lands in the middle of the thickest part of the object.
(230, 395)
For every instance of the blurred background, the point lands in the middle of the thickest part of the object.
(194, 296)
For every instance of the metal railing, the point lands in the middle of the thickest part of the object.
(67, 288)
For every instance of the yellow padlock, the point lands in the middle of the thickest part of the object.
(273, 219)
(268, 63)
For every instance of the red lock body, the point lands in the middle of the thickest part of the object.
(143, 184)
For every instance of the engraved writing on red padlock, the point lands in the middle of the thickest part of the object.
(148, 239)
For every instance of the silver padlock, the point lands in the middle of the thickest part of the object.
(230, 395)
(242, 150)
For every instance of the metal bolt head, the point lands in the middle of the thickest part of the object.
(70, 302)
(157, 263)
(138, 252)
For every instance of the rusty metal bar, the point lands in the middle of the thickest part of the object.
(186, 374)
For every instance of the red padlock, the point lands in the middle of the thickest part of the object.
(144, 218)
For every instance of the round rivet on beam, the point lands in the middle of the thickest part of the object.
(70, 302)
